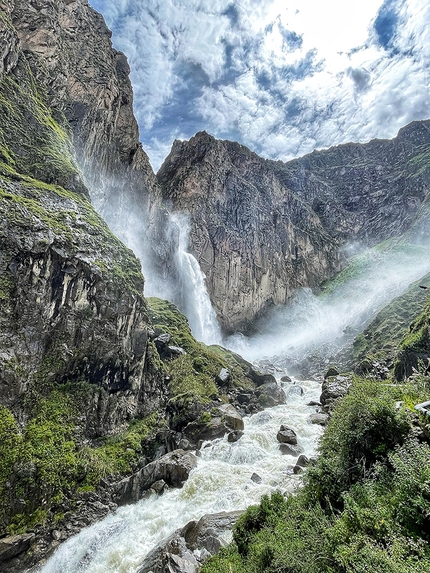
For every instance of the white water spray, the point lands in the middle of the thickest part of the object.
(195, 301)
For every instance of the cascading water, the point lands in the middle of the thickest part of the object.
(195, 301)
(220, 482)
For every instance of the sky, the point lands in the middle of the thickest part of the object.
(281, 77)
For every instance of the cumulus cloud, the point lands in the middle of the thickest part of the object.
(282, 79)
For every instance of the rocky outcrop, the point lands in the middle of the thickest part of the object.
(69, 49)
(254, 239)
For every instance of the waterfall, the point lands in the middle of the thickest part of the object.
(194, 298)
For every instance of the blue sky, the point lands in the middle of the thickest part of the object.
(282, 77)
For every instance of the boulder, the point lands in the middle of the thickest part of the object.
(223, 377)
(172, 468)
(286, 435)
(290, 449)
(332, 371)
(231, 416)
(14, 545)
(302, 461)
(186, 549)
(295, 391)
(256, 478)
(272, 394)
(234, 436)
(286, 379)
(333, 388)
(319, 418)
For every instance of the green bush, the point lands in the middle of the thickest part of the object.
(364, 427)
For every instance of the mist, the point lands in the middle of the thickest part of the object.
(314, 329)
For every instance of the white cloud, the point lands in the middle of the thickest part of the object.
(280, 78)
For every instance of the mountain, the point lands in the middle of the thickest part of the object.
(260, 228)
(98, 383)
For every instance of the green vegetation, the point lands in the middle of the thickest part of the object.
(47, 462)
(193, 374)
(386, 331)
(415, 346)
(31, 141)
(365, 502)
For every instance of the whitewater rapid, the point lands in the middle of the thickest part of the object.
(220, 482)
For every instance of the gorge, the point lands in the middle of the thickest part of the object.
(295, 266)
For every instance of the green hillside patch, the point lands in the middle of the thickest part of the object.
(193, 375)
(414, 349)
(385, 333)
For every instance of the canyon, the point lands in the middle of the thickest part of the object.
(98, 380)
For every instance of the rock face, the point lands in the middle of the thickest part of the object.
(187, 549)
(69, 49)
(261, 228)
(254, 239)
(173, 468)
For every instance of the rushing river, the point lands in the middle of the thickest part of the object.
(220, 482)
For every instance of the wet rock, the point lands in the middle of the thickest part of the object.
(186, 549)
(286, 379)
(295, 391)
(256, 478)
(271, 394)
(231, 417)
(290, 449)
(173, 468)
(319, 418)
(302, 461)
(313, 403)
(234, 436)
(297, 469)
(286, 435)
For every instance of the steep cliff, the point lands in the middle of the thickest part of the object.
(255, 240)
(261, 228)
(69, 49)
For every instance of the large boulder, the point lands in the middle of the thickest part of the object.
(186, 549)
(173, 468)
(333, 388)
(286, 435)
(271, 394)
(226, 420)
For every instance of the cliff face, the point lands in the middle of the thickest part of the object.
(261, 228)
(255, 240)
(87, 84)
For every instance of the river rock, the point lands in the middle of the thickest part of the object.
(231, 416)
(290, 449)
(272, 394)
(286, 379)
(286, 435)
(228, 419)
(234, 436)
(186, 549)
(173, 468)
(333, 388)
(295, 391)
(302, 461)
(319, 418)
(256, 478)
